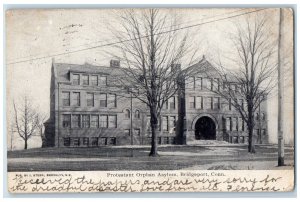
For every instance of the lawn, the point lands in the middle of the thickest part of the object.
(172, 157)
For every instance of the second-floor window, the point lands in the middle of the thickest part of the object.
(102, 80)
(76, 99)
(76, 79)
(137, 114)
(85, 121)
(66, 121)
(66, 98)
(229, 104)
(85, 79)
(112, 100)
(242, 103)
(199, 102)
(228, 124)
(165, 123)
(211, 101)
(90, 99)
(103, 121)
(75, 121)
(127, 113)
(199, 83)
(173, 122)
(192, 102)
(103, 100)
(94, 121)
(218, 102)
(112, 121)
(172, 103)
(94, 80)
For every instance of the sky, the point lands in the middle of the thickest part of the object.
(35, 37)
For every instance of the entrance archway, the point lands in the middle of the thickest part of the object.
(205, 129)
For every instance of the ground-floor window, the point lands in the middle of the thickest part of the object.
(67, 141)
(89, 141)
(76, 142)
(85, 141)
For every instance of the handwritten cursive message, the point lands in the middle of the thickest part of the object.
(151, 181)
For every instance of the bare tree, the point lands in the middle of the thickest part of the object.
(151, 49)
(254, 78)
(27, 120)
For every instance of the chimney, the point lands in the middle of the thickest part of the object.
(115, 63)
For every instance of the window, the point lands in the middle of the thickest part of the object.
(67, 141)
(235, 126)
(76, 79)
(192, 102)
(85, 121)
(241, 124)
(211, 84)
(235, 87)
(103, 121)
(137, 114)
(85, 141)
(94, 80)
(127, 113)
(127, 132)
(165, 123)
(66, 121)
(229, 103)
(90, 99)
(211, 100)
(76, 141)
(103, 141)
(228, 124)
(217, 84)
(85, 79)
(112, 141)
(199, 83)
(199, 102)
(173, 123)
(257, 132)
(242, 103)
(103, 100)
(257, 116)
(76, 99)
(191, 82)
(137, 132)
(218, 103)
(148, 123)
(112, 121)
(94, 141)
(103, 80)
(172, 103)
(75, 121)
(66, 98)
(263, 116)
(94, 121)
(166, 105)
(112, 100)
(264, 132)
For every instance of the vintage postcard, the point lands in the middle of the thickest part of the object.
(150, 100)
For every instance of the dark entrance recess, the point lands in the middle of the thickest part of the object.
(205, 129)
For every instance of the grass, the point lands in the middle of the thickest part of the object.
(171, 157)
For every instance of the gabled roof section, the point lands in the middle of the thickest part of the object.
(203, 68)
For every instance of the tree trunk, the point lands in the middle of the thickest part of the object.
(251, 145)
(25, 146)
(154, 127)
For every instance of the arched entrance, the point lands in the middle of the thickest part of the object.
(205, 129)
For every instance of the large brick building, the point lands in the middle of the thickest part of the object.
(88, 109)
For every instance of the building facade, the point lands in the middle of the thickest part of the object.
(88, 109)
